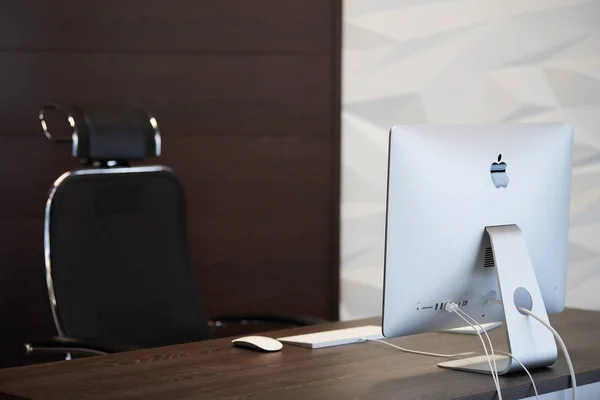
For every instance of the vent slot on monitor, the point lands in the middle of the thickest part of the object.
(488, 258)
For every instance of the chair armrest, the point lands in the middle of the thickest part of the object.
(254, 319)
(62, 345)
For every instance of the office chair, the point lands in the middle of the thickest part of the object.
(118, 268)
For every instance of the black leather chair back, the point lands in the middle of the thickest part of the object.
(117, 256)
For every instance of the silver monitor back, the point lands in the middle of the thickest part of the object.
(445, 185)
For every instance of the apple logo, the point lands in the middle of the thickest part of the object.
(498, 172)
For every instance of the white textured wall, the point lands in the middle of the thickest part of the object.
(464, 61)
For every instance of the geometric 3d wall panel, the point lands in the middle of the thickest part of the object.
(459, 61)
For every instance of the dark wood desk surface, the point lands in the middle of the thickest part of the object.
(215, 370)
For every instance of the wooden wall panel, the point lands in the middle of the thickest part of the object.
(173, 26)
(247, 97)
(272, 188)
(191, 94)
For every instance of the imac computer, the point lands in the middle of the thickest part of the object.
(478, 216)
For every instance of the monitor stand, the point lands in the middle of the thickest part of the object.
(469, 330)
(528, 340)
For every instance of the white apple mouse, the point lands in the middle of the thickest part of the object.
(260, 343)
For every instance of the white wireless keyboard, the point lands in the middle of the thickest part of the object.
(336, 337)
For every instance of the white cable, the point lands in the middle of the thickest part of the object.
(451, 308)
(501, 352)
(492, 368)
(488, 339)
(562, 345)
(424, 353)
(458, 355)
(537, 396)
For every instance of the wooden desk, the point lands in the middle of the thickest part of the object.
(215, 370)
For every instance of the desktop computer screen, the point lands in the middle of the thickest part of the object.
(476, 216)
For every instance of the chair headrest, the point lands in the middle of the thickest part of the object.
(102, 134)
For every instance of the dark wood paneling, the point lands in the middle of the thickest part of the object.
(28, 167)
(167, 26)
(199, 94)
(256, 215)
(335, 99)
(247, 97)
(216, 370)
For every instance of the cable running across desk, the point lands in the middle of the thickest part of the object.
(476, 324)
(562, 346)
(423, 353)
(458, 355)
(453, 308)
